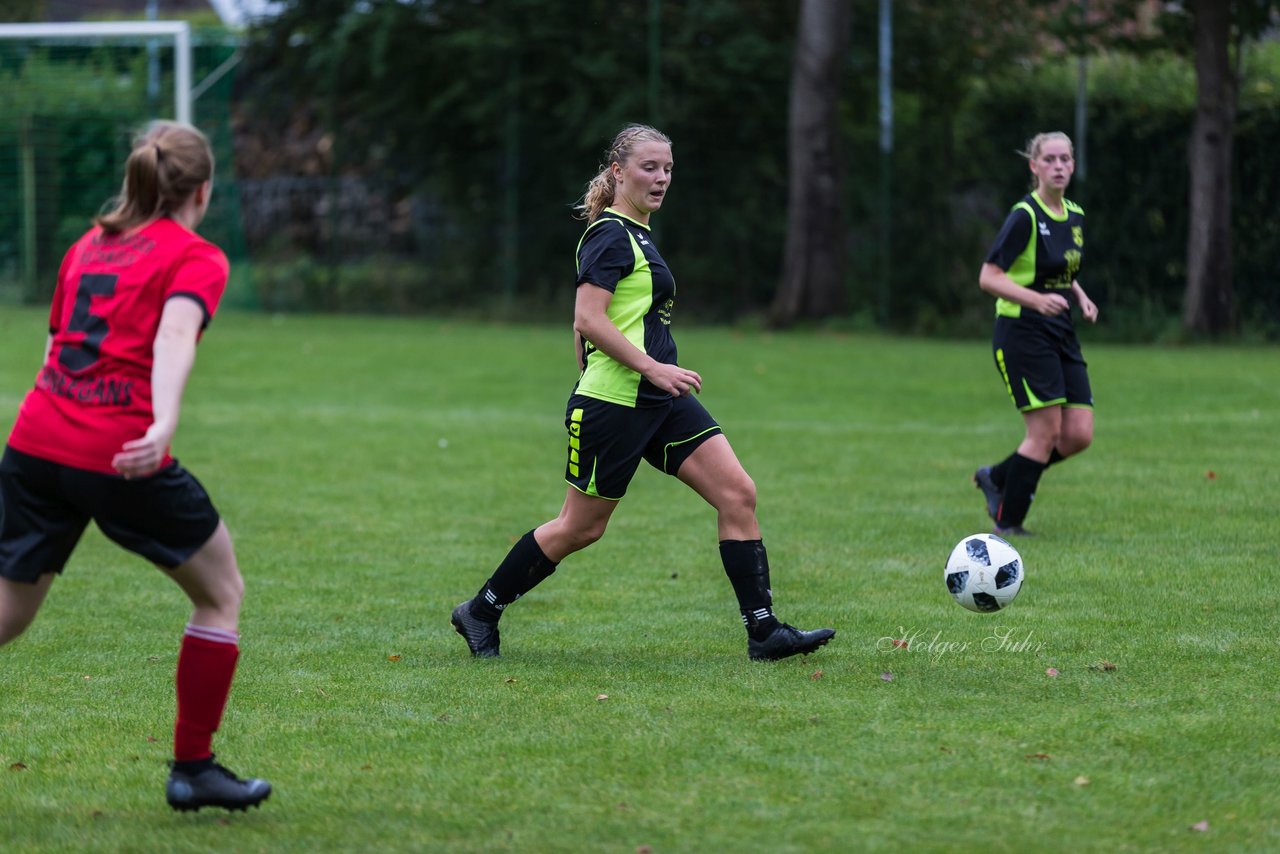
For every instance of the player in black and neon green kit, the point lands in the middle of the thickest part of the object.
(1031, 270)
(633, 402)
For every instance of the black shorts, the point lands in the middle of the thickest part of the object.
(1041, 364)
(608, 440)
(45, 507)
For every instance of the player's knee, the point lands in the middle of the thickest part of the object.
(224, 592)
(742, 495)
(1072, 444)
(234, 590)
(585, 535)
(577, 534)
(1042, 441)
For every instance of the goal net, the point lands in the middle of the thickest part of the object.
(72, 97)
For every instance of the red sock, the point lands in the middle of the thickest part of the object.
(206, 663)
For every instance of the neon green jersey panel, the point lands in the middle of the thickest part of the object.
(617, 253)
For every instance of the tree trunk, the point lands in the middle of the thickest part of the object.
(812, 283)
(1209, 307)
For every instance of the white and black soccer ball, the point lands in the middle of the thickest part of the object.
(984, 573)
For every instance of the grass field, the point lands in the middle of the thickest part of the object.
(373, 471)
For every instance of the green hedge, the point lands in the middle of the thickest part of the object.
(1135, 193)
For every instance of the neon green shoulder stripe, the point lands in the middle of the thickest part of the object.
(1023, 269)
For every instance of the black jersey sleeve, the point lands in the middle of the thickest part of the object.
(1012, 239)
(605, 256)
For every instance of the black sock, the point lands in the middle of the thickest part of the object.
(747, 566)
(524, 567)
(1019, 490)
(192, 767)
(1000, 471)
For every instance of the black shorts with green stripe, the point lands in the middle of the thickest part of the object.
(608, 440)
(1041, 364)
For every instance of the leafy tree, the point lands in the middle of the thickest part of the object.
(1220, 29)
(19, 11)
(498, 110)
(813, 268)
(1213, 33)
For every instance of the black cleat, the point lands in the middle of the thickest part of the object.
(785, 641)
(991, 492)
(214, 786)
(1011, 531)
(481, 635)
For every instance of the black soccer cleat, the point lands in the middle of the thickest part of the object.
(1011, 531)
(214, 786)
(785, 641)
(481, 635)
(991, 492)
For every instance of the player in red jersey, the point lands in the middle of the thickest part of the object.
(92, 438)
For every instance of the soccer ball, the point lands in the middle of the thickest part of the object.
(984, 573)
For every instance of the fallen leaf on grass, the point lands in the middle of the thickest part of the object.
(602, 696)
(1082, 780)
(366, 767)
(509, 680)
(1052, 671)
(18, 766)
(1103, 665)
(900, 643)
(1041, 756)
(1200, 827)
(393, 658)
(643, 849)
(887, 676)
(151, 739)
(1211, 475)
(817, 674)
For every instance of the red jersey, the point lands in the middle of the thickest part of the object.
(93, 393)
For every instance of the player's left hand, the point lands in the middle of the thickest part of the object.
(1087, 306)
(1088, 309)
(141, 457)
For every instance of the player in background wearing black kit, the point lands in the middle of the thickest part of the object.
(1031, 270)
(632, 402)
(91, 440)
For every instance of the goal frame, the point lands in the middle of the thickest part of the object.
(178, 31)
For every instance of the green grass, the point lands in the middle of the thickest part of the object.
(373, 471)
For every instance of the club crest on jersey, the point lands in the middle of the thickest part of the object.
(1077, 234)
(1044, 227)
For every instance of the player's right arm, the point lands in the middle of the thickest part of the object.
(591, 321)
(996, 282)
(994, 278)
(174, 354)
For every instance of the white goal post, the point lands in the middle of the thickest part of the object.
(179, 31)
